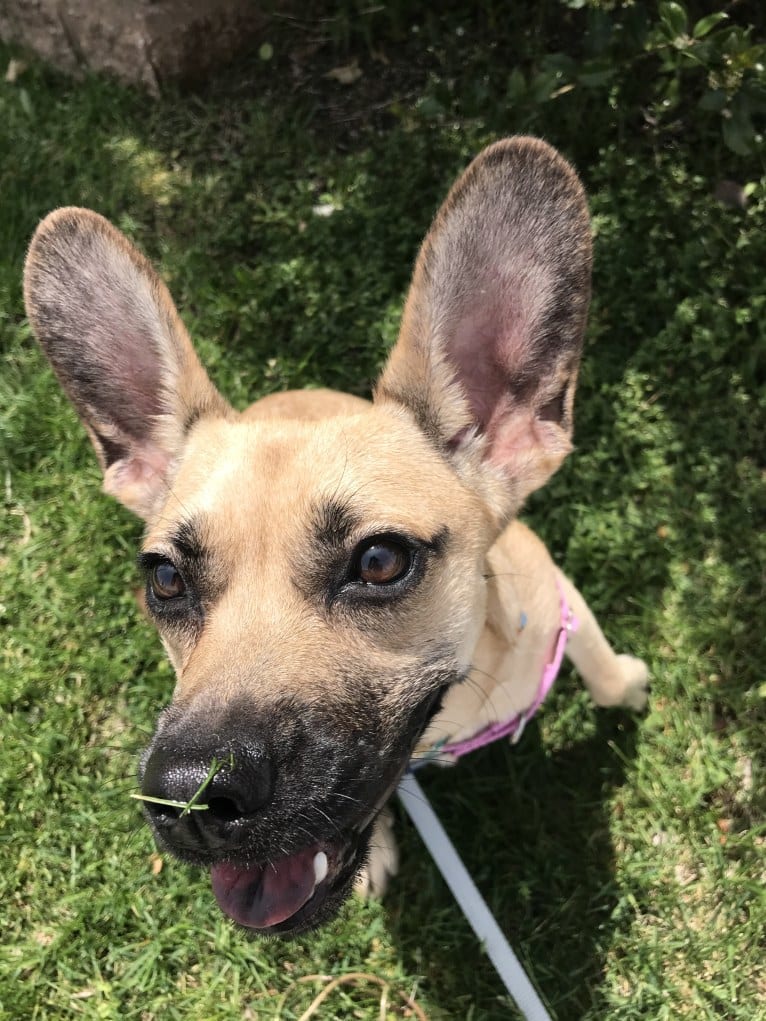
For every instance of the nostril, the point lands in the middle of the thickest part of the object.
(225, 809)
(240, 787)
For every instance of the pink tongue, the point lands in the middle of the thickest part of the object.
(264, 895)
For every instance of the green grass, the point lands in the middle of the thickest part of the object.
(623, 857)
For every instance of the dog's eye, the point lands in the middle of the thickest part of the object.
(382, 562)
(166, 582)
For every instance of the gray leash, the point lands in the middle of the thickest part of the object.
(472, 903)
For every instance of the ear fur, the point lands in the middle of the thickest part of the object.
(491, 336)
(109, 327)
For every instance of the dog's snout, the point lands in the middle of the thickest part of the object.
(197, 794)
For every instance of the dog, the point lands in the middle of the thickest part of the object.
(340, 585)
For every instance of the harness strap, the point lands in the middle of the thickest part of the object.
(514, 727)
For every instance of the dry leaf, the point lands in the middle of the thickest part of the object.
(324, 209)
(14, 70)
(347, 74)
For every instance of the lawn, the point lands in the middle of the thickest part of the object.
(624, 856)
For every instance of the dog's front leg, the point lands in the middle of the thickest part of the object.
(612, 679)
(383, 860)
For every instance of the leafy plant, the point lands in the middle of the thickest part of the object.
(663, 61)
(618, 66)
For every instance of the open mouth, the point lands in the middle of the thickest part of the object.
(268, 874)
(289, 894)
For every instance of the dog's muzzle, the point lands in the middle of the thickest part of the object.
(215, 820)
(283, 832)
(278, 801)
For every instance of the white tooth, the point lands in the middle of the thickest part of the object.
(320, 866)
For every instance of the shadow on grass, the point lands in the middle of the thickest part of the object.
(538, 846)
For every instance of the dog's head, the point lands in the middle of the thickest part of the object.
(318, 583)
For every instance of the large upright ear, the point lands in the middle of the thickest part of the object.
(109, 327)
(490, 343)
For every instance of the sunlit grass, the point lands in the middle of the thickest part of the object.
(624, 858)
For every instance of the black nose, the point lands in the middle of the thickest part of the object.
(212, 792)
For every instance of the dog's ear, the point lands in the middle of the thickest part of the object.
(109, 327)
(491, 337)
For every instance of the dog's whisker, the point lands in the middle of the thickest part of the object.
(487, 695)
(343, 471)
(171, 492)
(327, 817)
(312, 838)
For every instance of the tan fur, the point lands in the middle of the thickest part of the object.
(472, 412)
(259, 517)
(305, 405)
(509, 659)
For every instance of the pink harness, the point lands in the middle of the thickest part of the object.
(514, 727)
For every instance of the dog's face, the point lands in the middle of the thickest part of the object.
(316, 601)
(318, 585)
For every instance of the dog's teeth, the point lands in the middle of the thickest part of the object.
(320, 866)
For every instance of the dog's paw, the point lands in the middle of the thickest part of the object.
(635, 682)
(383, 860)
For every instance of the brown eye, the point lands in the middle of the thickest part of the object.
(166, 582)
(383, 562)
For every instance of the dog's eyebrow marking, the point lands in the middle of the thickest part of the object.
(439, 541)
(187, 539)
(333, 522)
(187, 547)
